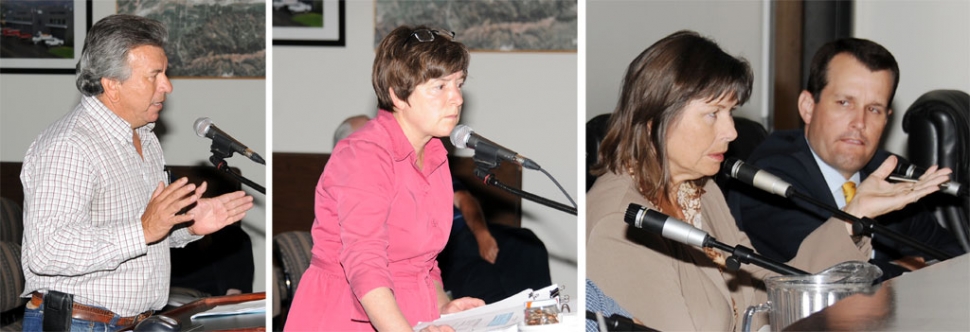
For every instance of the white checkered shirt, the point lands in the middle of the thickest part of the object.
(85, 189)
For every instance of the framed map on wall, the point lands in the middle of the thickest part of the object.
(498, 25)
(209, 38)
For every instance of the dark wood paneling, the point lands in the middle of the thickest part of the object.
(788, 64)
(10, 186)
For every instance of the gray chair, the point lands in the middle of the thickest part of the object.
(292, 250)
(11, 268)
(12, 274)
(11, 221)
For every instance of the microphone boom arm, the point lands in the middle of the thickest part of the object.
(482, 172)
(221, 165)
(741, 254)
(866, 226)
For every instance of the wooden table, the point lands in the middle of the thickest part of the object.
(241, 322)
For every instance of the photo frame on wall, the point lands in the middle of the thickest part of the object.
(43, 37)
(209, 39)
(490, 26)
(309, 22)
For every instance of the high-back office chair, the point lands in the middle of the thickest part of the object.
(595, 130)
(750, 134)
(12, 273)
(11, 221)
(937, 124)
(11, 269)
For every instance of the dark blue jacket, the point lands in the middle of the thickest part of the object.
(777, 226)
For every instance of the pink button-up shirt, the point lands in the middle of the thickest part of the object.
(381, 221)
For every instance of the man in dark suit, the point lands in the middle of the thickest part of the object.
(845, 108)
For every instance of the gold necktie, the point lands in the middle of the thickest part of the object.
(848, 189)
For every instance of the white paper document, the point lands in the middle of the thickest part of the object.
(503, 315)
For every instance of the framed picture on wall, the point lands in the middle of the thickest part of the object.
(505, 26)
(308, 22)
(211, 39)
(42, 37)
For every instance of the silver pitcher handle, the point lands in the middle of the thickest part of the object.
(749, 315)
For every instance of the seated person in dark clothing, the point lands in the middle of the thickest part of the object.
(845, 108)
(489, 261)
(218, 264)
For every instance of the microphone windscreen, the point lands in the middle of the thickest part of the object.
(738, 170)
(202, 125)
(630, 217)
(459, 136)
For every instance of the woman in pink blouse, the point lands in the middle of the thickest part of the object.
(384, 201)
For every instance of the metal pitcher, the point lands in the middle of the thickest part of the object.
(791, 298)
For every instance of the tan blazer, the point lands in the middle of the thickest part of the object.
(675, 287)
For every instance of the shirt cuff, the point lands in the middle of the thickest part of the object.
(131, 241)
(182, 237)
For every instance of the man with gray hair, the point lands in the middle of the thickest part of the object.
(99, 213)
(349, 126)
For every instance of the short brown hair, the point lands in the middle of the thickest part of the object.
(403, 62)
(659, 83)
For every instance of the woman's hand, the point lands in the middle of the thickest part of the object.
(435, 328)
(462, 304)
(876, 196)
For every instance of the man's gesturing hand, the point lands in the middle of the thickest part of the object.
(212, 214)
(161, 213)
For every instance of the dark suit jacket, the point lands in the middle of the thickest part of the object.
(777, 225)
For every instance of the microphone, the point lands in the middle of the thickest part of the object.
(760, 179)
(911, 171)
(465, 138)
(667, 226)
(205, 128)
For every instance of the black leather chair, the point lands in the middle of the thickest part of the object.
(595, 130)
(750, 134)
(937, 124)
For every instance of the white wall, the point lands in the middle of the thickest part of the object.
(29, 103)
(525, 101)
(931, 43)
(617, 31)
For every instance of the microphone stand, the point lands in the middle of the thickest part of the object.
(222, 151)
(485, 161)
(741, 254)
(866, 226)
